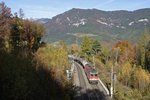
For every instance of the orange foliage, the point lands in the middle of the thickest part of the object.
(74, 48)
(127, 51)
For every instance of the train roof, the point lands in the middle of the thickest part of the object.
(93, 70)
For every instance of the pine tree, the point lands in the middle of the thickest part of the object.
(96, 47)
(142, 48)
(90, 46)
(16, 33)
(86, 45)
(147, 57)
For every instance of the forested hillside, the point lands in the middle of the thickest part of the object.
(129, 62)
(107, 26)
(23, 73)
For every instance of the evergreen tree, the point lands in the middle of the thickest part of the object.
(90, 46)
(21, 13)
(86, 45)
(16, 33)
(96, 47)
(147, 57)
(142, 48)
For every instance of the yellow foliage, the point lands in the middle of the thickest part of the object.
(125, 73)
(135, 77)
(52, 56)
(126, 69)
(142, 79)
(55, 59)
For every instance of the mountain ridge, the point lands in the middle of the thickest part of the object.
(104, 25)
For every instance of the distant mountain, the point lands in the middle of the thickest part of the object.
(42, 20)
(103, 25)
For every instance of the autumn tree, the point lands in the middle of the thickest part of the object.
(74, 49)
(20, 78)
(38, 32)
(5, 20)
(142, 79)
(54, 58)
(126, 52)
(26, 35)
(125, 73)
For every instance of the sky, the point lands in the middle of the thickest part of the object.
(51, 8)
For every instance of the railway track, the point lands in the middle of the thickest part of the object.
(82, 83)
(98, 94)
(94, 92)
(88, 91)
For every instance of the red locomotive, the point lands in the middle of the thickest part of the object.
(91, 73)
